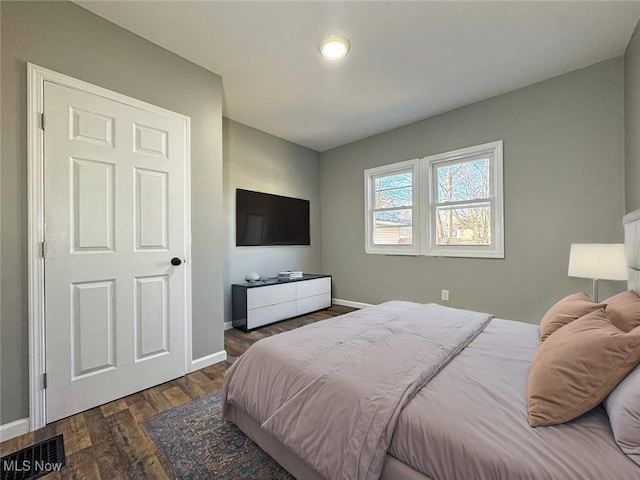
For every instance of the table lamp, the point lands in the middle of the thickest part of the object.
(598, 261)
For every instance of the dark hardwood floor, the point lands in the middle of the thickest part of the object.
(110, 441)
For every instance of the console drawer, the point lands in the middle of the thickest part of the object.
(256, 317)
(311, 288)
(271, 295)
(311, 304)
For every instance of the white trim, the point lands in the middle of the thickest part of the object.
(207, 360)
(228, 325)
(496, 249)
(386, 170)
(35, 169)
(188, 333)
(14, 429)
(349, 303)
(36, 77)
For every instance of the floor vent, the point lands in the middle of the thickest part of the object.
(34, 461)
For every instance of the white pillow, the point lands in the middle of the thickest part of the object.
(623, 407)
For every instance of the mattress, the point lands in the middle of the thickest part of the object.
(470, 421)
(332, 391)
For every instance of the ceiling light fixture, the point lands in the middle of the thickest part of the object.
(334, 47)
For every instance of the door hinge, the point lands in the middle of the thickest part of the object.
(42, 121)
(44, 380)
(43, 249)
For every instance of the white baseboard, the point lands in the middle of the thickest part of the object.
(349, 303)
(14, 429)
(205, 361)
(228, 325)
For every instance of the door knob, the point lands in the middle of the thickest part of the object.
(175, 261)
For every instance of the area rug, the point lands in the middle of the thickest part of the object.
(198, 444)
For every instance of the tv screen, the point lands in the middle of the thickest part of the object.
(266, 219)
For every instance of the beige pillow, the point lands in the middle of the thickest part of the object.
(623, 310)
(577, 367)
(565, 311)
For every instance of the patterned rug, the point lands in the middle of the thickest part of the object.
(198, 444)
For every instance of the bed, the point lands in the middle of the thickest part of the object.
(349, 398)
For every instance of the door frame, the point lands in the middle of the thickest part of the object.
(36, 77)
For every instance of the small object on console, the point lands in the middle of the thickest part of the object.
(252, 277)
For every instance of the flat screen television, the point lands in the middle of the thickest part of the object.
(267, 219)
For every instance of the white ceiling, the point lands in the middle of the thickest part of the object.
(408, 60)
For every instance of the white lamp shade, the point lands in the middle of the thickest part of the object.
(604, 261)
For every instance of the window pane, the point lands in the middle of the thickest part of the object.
(463, 181)
(464, 225)
(393, 181)
(394, 197)
(393, 227)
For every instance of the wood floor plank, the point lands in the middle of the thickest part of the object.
(141, 410)
(110, 464)
(75, 433)
(134, 446)
(81, 464)
(15, 444)
(176, 396)
(111, 442)
(135, 398)
(156, 400)
(190, 388)
(205, 383)
(113, 407)
(216, 372)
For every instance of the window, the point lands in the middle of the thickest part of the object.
(465, 202)
(462, 205)
(392, 208)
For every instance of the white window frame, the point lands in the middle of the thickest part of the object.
(425, 202)
(492, 151)
(369, 202)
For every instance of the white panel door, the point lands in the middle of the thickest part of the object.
(115, 199)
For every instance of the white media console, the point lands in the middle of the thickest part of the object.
(259, 303)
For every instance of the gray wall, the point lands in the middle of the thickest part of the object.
(66, 38)
(254, 160)
(563, 183)
(632, 122)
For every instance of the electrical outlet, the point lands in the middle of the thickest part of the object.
(445, 295)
